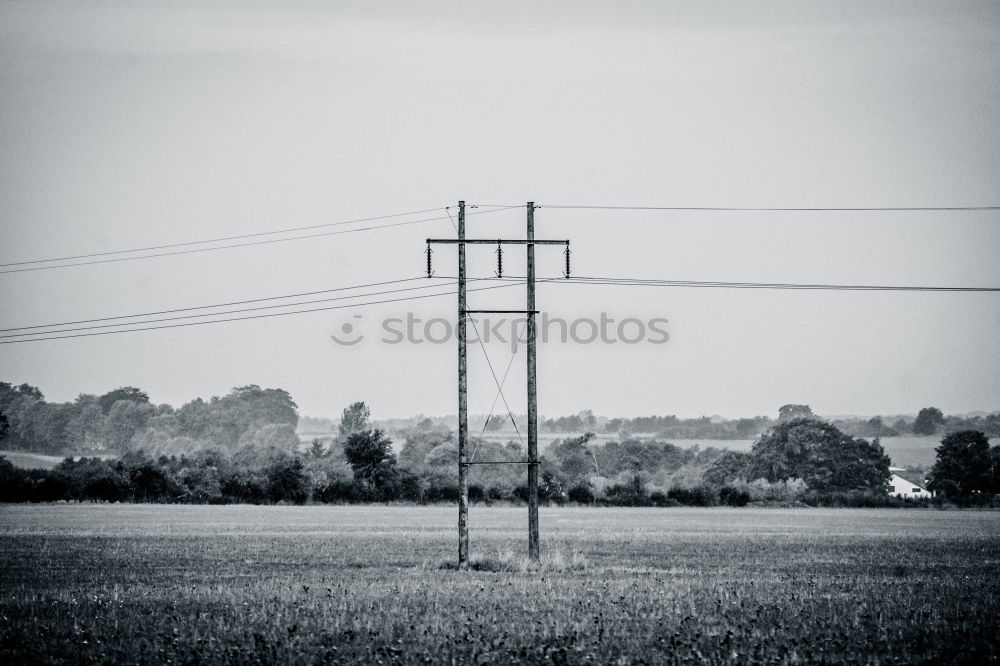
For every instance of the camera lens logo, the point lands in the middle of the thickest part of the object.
(350, 333)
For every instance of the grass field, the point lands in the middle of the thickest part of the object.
(241, 584)
(28, 460)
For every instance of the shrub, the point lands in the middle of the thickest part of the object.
(762, 490)
(694, 496)
(660, 499)
(500, 492)
(581, 494)
(731, 496)
(632, 494)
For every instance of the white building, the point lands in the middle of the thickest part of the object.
(900, 487)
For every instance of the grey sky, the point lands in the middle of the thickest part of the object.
(130, 125)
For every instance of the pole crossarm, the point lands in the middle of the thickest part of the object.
(500, 311)
(496, 241)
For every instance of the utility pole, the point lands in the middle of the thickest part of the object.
(532, 396)
(463, 401)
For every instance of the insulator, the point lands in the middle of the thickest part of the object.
(499, 259)
(428, 260)
(566, 274)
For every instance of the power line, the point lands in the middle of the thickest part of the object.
(778, 210)
(217, 305)
(641, 282)
(230, 303)
(222, 247)
(259, 316)
(220, 239)
(214, 314)
(767, 285)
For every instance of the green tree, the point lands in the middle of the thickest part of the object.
(728, 467)
(370, 455)
(928, 420)
(280, 436)
(354, 419)
(21, 405)
(124, 420)
(129, 393)
(821, 455)
(576, 460)
(963, 466)
(85, 430)
(316, 449)
(790, 411)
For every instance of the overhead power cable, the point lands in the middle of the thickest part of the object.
(228, 304)
(642, 282)
(258, 316)
(874, 209)
(22, 266)
(216, 305)
(220, 239)
(223, 312)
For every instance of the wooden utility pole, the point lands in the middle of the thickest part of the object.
(532, 395)
(463, 399)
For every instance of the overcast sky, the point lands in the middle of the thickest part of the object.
(131, 125)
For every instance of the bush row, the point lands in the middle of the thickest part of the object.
(288, 480)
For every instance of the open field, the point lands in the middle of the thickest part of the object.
(238, 584)
(28, 460)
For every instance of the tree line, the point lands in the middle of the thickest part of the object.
(242, 447)
(928, 421)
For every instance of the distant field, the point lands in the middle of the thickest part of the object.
(39, 461)
(903, 451)
(31, 460)
(240, 584)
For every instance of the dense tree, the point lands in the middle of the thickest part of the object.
(419, 443)
(19, 404)
(124, 420)
(128, 393)
(354, 419)
(370, 455)
(964, 465)
(928, 420)
(728, 467)
(576, 461)
(280, 436)
(820, 454)
(287, 481)
(790, 411)
(317, 449)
